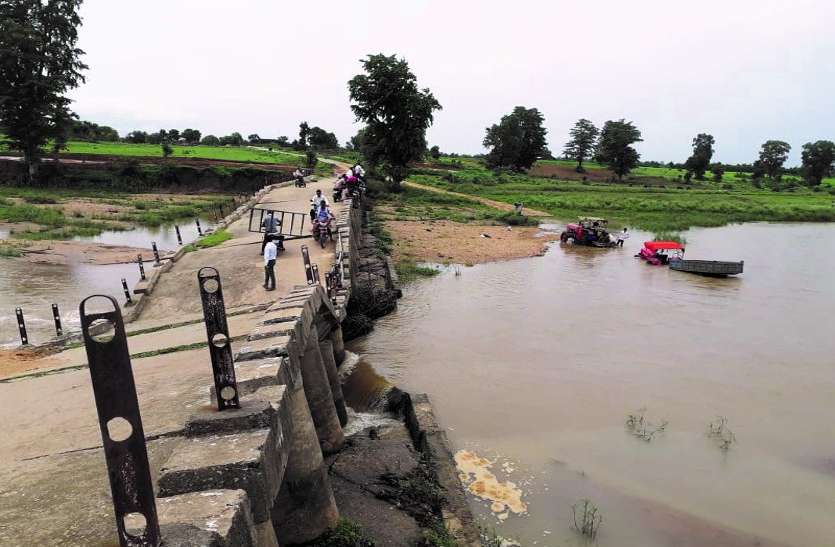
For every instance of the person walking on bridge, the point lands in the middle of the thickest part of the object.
(270, 255)
(270, 225)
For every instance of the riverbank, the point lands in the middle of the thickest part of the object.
(652, 203)
(426, 224)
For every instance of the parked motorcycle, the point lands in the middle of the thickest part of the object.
(338, 189)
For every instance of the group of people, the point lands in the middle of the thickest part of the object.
(319, 213)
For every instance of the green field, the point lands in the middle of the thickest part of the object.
(654, 208)
(225, 153)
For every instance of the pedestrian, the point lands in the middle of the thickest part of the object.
(622, 236)
(270, 254)
(270, 225)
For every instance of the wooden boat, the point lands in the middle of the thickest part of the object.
(715, 268)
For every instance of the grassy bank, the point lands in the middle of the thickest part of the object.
(244, 154)
(63, 214)
(656, 207)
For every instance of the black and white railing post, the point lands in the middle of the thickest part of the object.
(156, 253)
(141, 267)
(123, 438)
(179, 237)
(217, 331)
(56, 316)
(199, 228)
(128, 299)
(21, 326)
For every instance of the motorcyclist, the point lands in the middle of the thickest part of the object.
(358, 172)
(316, 203)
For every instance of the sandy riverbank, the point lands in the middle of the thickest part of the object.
(453, 242)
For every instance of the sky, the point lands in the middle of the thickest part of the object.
(745, 71)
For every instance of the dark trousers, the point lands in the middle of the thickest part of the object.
(620, 243)
(269, 275)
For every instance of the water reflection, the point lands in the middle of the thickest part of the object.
(539, 361)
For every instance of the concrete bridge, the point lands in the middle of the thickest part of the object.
(248, 476)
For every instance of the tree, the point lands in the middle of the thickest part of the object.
(210, 140)
(155, 138)
(817, 161)
(320, 139)
(254, 138)
(583, 137)
(358, 140)
(235, 139)
(773, 155)
(311, 159)
(192, 136)
(136, 137)
(89, 131)
(718, 171)
(614, 148)
(166, 150)
(435, 152)
(517, 141)
(699, 162)
(304, 131)
(396, 114)
(173, 135)
(282, 141)
(39, 63)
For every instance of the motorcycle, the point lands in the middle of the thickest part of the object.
(322, 231)
(338, 189)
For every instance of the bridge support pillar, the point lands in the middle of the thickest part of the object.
(305, 507)
(338, 345)
(326, 349)
(317, 389)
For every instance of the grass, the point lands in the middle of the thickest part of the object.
(346, 533)
(211, 240)
(9, 251)
(654, 208)
(590, 518)
(408, 270)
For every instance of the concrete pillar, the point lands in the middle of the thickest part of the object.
(326, 349)
(338, 345)
(317, 389)
(305, 507)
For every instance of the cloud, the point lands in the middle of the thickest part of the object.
(745, 71)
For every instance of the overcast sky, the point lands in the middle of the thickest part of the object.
(743, 70)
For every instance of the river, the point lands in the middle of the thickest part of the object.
(35, 287)
(535, 364)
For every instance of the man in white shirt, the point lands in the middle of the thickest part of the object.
(317, 201)
(270, 254)
(622, 236)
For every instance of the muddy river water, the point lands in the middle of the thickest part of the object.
(35, 287)
(535, 365)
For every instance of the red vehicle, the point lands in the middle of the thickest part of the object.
(588, 231)
(661, 252)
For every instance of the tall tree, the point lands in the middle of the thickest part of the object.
(39, 63)
(615, 146)
(396, 114)
(699, 162)
(817, 158)
(580, 147)
(773, 155)
(304, 131)
(192, 136)
(517, 141)
(320, 139)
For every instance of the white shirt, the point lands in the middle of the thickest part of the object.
(623, 235)
(358, 170)
(270, 252)
(319, 200)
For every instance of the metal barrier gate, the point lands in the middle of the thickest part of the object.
(291, 225)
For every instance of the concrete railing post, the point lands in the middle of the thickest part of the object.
(305, 507)
(317, 389)
(326, 349)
